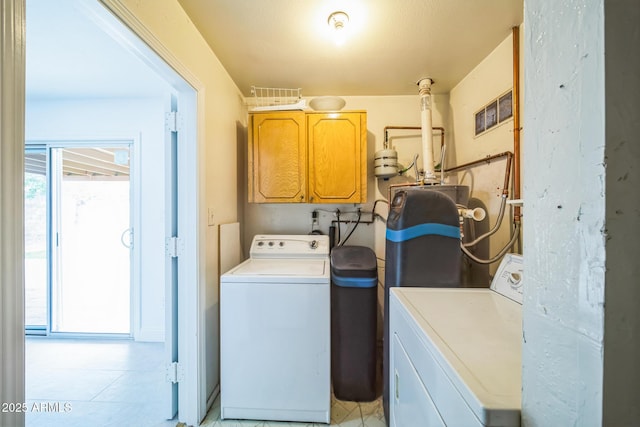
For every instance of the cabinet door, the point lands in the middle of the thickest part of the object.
(337, 157)
(277, 158)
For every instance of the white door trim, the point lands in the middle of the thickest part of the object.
(12, 101)
(192, 399)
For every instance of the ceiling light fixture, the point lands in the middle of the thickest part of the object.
(338, 22)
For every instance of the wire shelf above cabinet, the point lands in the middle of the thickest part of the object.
(275, 98)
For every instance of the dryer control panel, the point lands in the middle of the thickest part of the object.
(508, 280)
(289, 246)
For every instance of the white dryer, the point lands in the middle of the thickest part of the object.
(275, 331)
(456, 353)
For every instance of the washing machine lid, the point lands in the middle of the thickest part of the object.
(258, 270)
(475, 336)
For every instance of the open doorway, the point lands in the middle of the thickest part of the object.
(105, 243)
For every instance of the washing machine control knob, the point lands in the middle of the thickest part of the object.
(270, 243)
(514, 278)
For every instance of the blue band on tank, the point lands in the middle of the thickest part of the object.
(354, 282)
(423, 230)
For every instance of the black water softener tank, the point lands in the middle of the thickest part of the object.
(354, 309)
(422, 250)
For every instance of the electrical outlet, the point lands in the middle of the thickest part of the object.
(211, 220)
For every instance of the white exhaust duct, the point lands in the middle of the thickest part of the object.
(424, 86)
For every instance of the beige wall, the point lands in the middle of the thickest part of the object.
(488, 80)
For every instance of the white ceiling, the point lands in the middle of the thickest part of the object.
(394, 43)
(278, 43)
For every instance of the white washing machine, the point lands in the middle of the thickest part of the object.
(275, 331)
(456, 353)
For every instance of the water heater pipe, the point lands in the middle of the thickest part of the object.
(387, 128)
(427, 129)
(504, 250)
(387, 146)
(487, 160)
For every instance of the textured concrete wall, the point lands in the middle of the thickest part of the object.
(564, 213)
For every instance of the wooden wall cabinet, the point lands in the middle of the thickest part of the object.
(277, 157)
(307, 157)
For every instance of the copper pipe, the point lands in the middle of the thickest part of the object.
(487, 160)
(441, 138)
(505, 186)
(516, 120)
(386, 133)
(479, 161)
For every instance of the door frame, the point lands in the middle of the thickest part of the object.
(140, 41)
(12, 76)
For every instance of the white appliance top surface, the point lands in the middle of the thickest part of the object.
(475, 335)
(289, 246)
(280, 270)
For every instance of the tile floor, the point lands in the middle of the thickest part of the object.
(118, 383)
(343, 414)
(102, 382)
